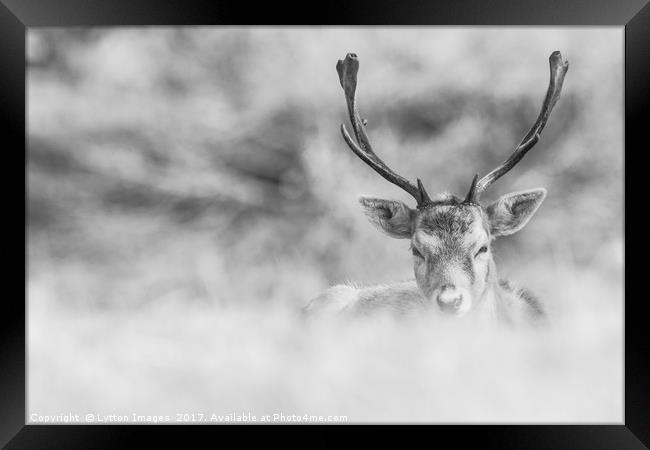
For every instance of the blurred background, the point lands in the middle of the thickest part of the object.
(189, 191)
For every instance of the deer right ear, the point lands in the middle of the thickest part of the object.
(390, 216)
(512, 211)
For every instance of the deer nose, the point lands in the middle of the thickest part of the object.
(449, 298)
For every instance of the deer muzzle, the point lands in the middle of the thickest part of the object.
(450, 299)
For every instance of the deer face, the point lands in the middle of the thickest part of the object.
(450, 242)
(451, 246)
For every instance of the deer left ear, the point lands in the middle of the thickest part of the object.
(390, 216)
(511, 212)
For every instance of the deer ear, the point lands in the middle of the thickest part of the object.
(511, 212)
(390, 216)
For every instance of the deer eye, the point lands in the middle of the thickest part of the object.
(416, 252)
(481, 250)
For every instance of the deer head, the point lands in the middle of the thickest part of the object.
(450, 237)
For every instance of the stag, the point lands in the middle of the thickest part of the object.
(450, 237)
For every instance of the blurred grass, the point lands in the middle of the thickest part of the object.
(195, 177)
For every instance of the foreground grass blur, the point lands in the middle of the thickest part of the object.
(189, 192)
(171, 359)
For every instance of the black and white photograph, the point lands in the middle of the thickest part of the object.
(325, 225)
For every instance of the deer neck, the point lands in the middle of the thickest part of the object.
(491, 304)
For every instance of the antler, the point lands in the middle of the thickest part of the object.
(347, 70)
(558, 71)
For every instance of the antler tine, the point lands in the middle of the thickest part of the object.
(558, 71)
(347, 70)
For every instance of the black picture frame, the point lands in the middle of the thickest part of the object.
(16, 16)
